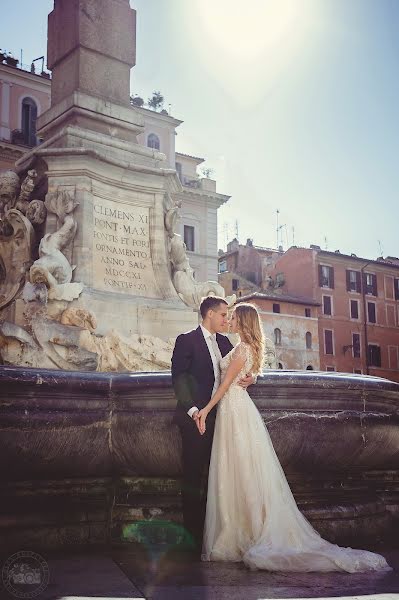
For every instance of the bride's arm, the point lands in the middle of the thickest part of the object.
(235, 366)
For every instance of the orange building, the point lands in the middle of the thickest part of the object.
(358, 313)
(291, 323)
(242, 267)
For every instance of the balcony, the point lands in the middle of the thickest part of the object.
(204, 183)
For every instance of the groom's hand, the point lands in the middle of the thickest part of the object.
(195, 418)
(249, 379)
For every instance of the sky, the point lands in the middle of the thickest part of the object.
(293, 103)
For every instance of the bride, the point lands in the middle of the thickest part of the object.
(251, 514)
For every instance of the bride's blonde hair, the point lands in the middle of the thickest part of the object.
(251, 331)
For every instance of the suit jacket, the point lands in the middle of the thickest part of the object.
(192, 371)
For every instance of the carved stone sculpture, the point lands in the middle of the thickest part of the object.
(70, 344)
(189, 290)
(27, 188)
(16, 239)
(9, 187)
(53, 268)
(80, 317)
(270, 355)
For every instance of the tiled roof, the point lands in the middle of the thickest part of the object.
(190, 156)
(280, 298)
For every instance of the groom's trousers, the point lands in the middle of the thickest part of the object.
(196, 453)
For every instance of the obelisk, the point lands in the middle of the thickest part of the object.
(123, 189)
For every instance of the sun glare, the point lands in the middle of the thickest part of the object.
(246, 46)
(244, 30)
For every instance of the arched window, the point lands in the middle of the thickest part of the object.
(28, 121)
(277, 336)
(153, 141)
(308, 340)
(309, 368)
(280, 365)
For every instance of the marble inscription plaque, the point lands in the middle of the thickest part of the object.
(121, 249)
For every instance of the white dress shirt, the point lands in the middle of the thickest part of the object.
(215, 356)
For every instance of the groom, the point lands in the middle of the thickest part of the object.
(195, 377)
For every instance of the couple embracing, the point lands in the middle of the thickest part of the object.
(249, 513)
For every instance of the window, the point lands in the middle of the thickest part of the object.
(327, 305)
(370, 284)
(309, 368)
(280, 365)
(389, 287)
(276, 308)
(153, 141)
(307, 312)
(396, 287)
(371, 312)
(189, 237)
(353, 282)
(28, 126)
(390, 315)
(328, 342)
(330, 369)
(234, 284)
(222, 266)
(356, 345)
(178, 169)
(277, 336)
(326, 276)
(393, 356)
(357, 371)
(354, 309)
(308, 337)
(374, 355)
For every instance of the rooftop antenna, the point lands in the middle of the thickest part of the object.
(236, 228)
(293, 235)
(380, 247)
(326, 242)
(277, 228)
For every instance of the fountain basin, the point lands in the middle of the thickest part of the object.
(86, 456)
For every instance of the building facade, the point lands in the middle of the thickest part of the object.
(292, 324)
(25, 95)
(242, 267)
(358, 312)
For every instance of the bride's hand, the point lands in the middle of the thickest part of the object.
(201, 421)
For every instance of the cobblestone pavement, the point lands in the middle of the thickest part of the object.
(127, 572)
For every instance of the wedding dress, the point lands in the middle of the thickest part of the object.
(251, 514)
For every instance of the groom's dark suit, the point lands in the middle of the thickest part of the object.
(193, 380)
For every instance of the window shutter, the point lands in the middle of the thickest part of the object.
(348, 281)
(378, 356)
(320, 276)
(375, 285)
(358, 282)
(332, 277)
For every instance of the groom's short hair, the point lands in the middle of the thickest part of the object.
(211, 303)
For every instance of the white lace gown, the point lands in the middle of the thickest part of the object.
(251, 514)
